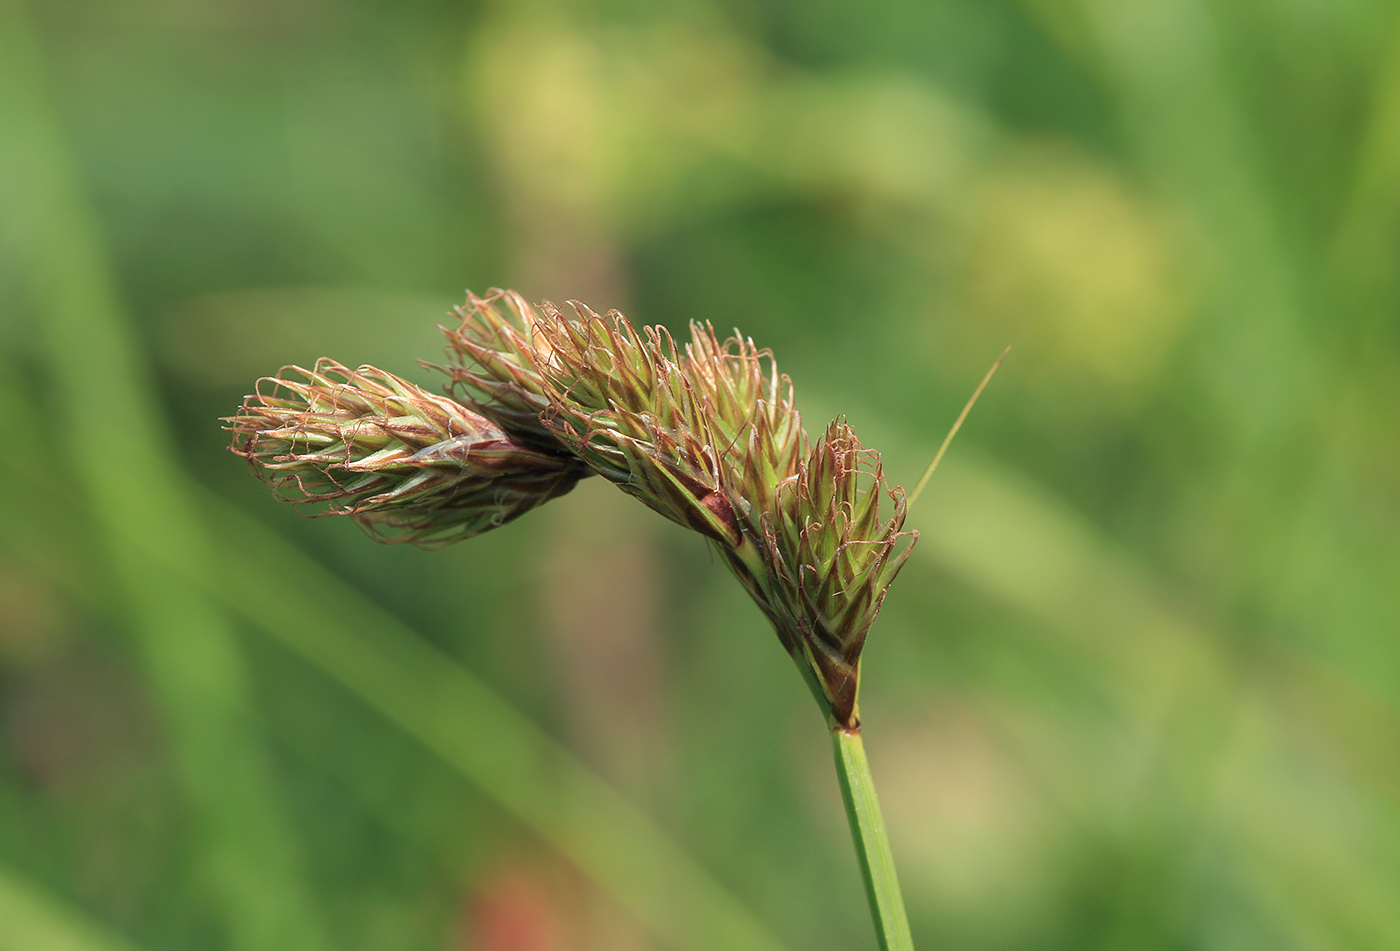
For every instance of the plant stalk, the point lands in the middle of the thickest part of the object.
(872, 845)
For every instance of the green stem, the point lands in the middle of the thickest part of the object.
(872, 845)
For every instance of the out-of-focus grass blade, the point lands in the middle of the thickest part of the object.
(1166, 63)
(1176, 688)
(32, 920)
(115, 438)
(1361, 252)
(481, 736)
(455, 715)
(1011, 539)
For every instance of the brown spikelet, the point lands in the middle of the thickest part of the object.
(408, 465)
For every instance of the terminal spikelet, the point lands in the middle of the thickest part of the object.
(408, 465)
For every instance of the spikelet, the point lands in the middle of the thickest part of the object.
(496, 349)
(623, 402)
(831, 558)
(408, 465)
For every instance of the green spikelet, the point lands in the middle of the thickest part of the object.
(831, 558)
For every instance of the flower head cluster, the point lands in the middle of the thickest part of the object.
(706, 434)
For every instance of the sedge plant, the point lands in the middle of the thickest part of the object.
(706, 433)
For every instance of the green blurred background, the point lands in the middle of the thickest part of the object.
(1137, 688)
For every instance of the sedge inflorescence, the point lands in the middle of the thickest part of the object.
(705, 433)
